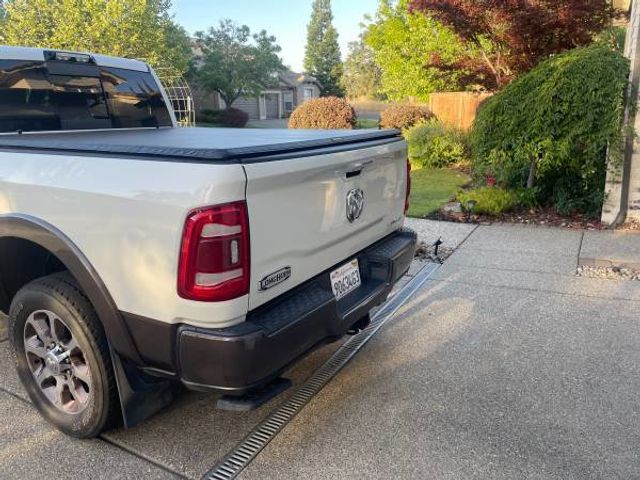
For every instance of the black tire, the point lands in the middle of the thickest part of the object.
(60, 297)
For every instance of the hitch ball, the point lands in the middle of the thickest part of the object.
(360, 325)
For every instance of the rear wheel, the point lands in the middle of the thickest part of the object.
(62, 356)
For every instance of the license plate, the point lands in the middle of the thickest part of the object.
(345, 279)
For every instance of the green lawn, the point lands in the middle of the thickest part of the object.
(432, 187)
(367, 123)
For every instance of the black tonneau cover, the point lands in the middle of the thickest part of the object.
(222, 145)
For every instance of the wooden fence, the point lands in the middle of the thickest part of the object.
(457, 109)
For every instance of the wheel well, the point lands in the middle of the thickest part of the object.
(22, 261)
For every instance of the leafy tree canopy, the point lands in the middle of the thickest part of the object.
(361, 77)
(521, 32)
(234, 62)
(416, 53)
(322, 55)
(552, 128)
(123, 28)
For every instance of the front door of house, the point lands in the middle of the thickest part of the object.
(271, 105)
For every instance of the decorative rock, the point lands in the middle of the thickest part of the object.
(609, 273)
(453, 207)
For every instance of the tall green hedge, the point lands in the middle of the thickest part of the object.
(551, 129)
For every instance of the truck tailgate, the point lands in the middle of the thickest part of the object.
(298, 212)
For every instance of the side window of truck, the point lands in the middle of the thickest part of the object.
(134, 99)
(34, 98)
(25, 96)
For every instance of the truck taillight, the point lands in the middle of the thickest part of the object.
(406, 200)
(214, 257)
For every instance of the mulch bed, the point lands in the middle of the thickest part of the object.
(632, 225)
(544, 217)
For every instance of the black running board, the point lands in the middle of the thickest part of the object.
(255, 399)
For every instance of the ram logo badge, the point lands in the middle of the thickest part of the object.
(275, 278)
(355, 204)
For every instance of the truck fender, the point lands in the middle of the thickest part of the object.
(47, 236)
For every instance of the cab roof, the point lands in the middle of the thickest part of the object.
(37, 54)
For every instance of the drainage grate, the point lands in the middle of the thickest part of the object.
(240, 457)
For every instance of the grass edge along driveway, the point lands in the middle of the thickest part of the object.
(433, 187)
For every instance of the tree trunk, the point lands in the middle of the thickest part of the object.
(228, 99)
(531, 181)
(495, 69)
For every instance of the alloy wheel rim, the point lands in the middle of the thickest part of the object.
(56, 361)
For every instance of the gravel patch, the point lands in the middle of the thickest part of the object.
(431, 253)
(608, 273)
(452, 234)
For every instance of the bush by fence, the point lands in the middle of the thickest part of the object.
(402, 116)
(454, 109)
(433, 145)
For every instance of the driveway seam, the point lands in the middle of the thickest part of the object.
(106, 440)
(528, 289)
(142, 456)
(580, 250)
(16, 396)
(520, 250)
(466, 238)
(463, 265)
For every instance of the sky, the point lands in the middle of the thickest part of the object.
(285, 19)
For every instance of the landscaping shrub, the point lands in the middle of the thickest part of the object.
(234, 118)
(550, 130)
(209, 116)
(231, 117)
(402, 116)
(324, 113)
(490, 200)
(433, 145)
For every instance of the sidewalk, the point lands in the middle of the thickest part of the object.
(504, 365)
(611, 249)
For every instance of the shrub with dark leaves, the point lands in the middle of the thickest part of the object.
(234, 118)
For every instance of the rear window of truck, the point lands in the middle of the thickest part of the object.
(36, 96)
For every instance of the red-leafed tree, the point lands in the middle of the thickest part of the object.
(512, 36)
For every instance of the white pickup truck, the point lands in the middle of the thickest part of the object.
(136, 254)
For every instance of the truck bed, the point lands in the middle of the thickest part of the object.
(211, 145)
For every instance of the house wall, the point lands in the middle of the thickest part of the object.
(248, 105)
(203, 100)
(300, 92)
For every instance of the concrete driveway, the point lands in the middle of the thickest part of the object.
(271, 123)
(504, 365)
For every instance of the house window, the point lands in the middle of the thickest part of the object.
(308, 93)
(288, 102)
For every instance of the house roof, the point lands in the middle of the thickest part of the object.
(294, 79)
